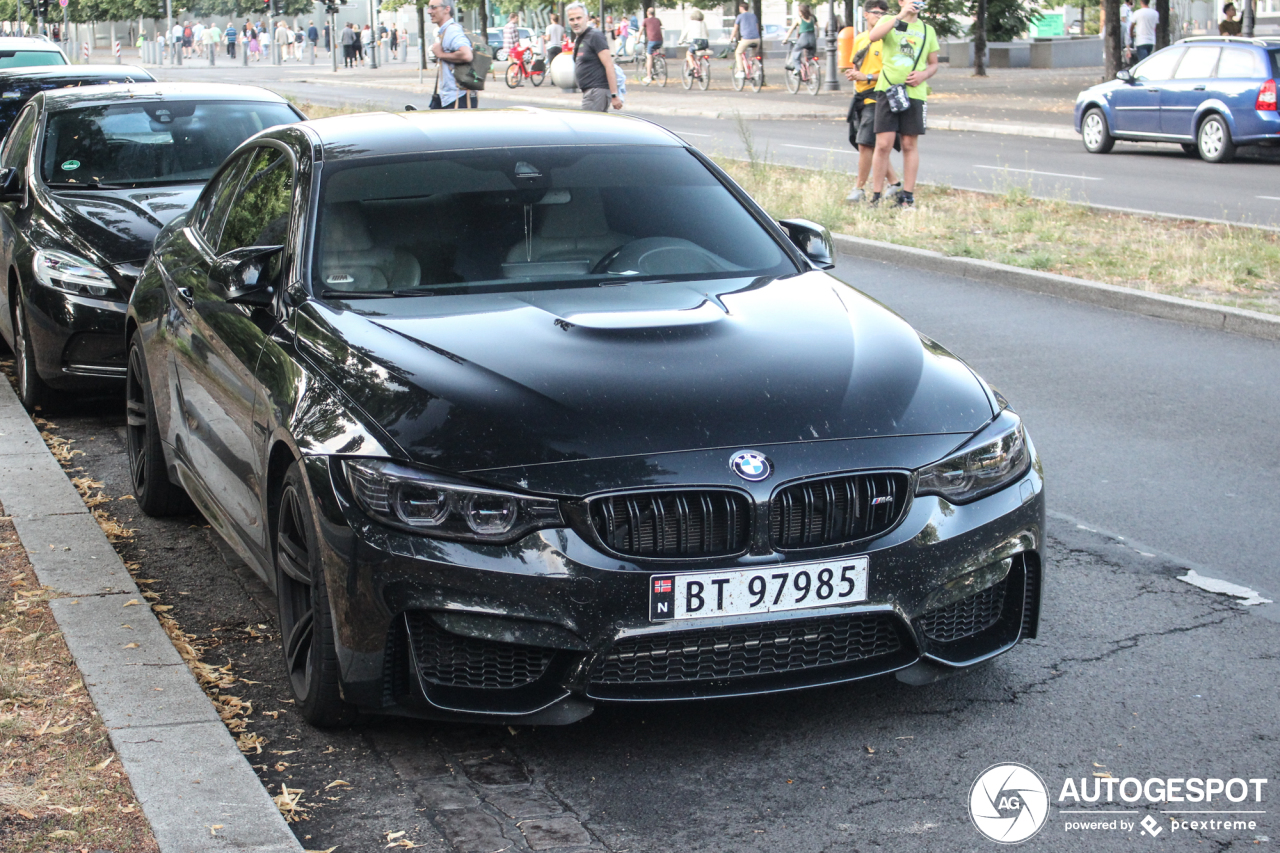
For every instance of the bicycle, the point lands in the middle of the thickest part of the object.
(752, 73)
(700, 71)
(659, 74)
(524, 66)
(808, 72)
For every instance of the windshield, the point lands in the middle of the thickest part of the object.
(27, 58)
(141, 144)
(523, 218)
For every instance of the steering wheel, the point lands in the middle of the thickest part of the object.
(602, 266)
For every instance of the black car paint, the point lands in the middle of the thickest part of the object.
(115, 229)
(19, 85)
(542, 394)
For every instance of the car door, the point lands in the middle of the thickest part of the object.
(14, 154)
(1136, 106)
(1181, 97)
(223, 342)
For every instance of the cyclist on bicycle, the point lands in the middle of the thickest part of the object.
(746, 31)
(696, 36)
(807, 40)
(652, 27)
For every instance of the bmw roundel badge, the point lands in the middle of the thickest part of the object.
(750, 465)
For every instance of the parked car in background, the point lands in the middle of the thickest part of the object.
(87, 178)
(495, 41)
(19, 85)
(1211, 94)
(21, 52)
(520, 411)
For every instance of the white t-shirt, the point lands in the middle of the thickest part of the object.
(1144, 25)
(1126, 12)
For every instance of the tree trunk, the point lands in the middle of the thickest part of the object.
(1162, 28)
(980, 40)
(755, 7)
(1113, 44)
(422, 38)
(484, 20)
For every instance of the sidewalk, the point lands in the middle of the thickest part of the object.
(1025, 102)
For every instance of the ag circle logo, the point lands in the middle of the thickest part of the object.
(750, 465)
(1009, 803)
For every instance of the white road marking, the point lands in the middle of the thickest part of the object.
(1036, 172)
(1224, 588)
(1270, 197)
(816, 148)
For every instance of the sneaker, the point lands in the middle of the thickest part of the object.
(646, 80)
(739, 74)
(893, 189)
(875, 200)
(906, 201)
(858, 195)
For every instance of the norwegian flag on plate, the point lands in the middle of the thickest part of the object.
(661, 585)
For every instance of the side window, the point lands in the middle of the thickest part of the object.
(259, 216)
(18, 142)
(212, 210)
(1198, 63)
(1158, 67)
(1238, 62)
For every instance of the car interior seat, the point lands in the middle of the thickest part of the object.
(576, 230)
(351, 260)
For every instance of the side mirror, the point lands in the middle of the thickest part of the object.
(249, 274)
(1125, 75)
(11, 185)
(410, 108)
(813, 240)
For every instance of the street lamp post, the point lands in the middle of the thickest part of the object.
(833, 80)
(374, 42)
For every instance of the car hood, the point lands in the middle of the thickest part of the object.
(467, 383)
(121, 225)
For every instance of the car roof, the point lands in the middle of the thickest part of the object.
(116, 92)
(73, 72)
(25, 43)
(1257, 41)
(381, 134)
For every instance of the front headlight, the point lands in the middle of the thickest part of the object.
(992, 460)
(424, 503)
(73, 274)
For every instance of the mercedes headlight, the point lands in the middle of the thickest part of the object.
(996, 457)
(65, 271)
(424, 503)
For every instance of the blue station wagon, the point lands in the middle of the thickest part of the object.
(1209, 93)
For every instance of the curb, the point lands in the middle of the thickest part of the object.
(1041, 131)
(185, 768)
(1221, 317)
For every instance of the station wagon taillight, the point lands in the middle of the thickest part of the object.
(1267, 96)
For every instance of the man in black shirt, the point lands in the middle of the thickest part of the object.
(593, 62)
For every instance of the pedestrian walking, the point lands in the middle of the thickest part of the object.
(231, 35)
(593, 62)
(901, 94)
(197, 35)
(863, 67)
(212, 38)
(555, 38)
(1126, 37)
(328, 38)
(264, 39)
(395, 39)
(652, 41)
(452, 47)
(624, 33)
(283, 40)
(511, 34)
(349, 40)
(364, 47)
(1230, 26)
(746, 31)
(1143, 25)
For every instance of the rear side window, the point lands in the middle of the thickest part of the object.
(1238, 62)
(1274, 56)
(1197, 63)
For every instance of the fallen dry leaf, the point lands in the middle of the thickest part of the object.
(871, 749)
(103, 764)
(392, 836)
(130, 603)
(1103, 775)
(28, 815)
(131, 646)
(162, 608)
(337, 783)
(213, 828)
(250, 743)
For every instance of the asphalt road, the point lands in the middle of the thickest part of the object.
(1141, 423)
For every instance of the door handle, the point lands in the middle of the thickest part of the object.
(186, 295)
(1199, 88)
(1153, 90)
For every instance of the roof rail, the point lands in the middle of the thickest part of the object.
(1260, 42)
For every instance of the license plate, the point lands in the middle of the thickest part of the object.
(765, 590)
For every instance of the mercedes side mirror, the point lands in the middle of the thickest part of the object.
(813, 240)
(249, 274)
(1124, 74)
(11, 185)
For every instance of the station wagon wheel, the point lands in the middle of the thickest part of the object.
(34, 392)
(1214, 140)
(155, 493)
(306, 625)
(1096, 134)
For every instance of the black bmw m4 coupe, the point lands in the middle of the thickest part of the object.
(520, 411)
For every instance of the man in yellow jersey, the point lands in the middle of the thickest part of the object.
(862, 65)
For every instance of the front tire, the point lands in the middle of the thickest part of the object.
(793, 80)
(34, 392)
(737, 77)
(1213, 140)
(815, 77)
(1095, 133)
(155, 493)
(686, 75)
(306, 622)
(513, 75)
(704, 78)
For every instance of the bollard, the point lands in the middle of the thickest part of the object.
(244, 54)
(213, 54)
(84, 54)
(176, 50)
(117, 49)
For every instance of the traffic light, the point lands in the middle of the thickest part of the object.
(43, 8)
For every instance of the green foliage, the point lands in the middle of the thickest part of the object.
(1006, 19)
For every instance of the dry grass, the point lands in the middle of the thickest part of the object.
(1223, 264)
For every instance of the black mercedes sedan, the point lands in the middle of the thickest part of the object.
(522, 410)
(88, 177)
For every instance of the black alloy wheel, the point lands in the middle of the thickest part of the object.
(306, 624)
(156, 494)
(34, 392)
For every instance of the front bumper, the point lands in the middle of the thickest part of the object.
(539, 630)
(78, 341)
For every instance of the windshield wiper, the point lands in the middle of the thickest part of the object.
(92, 185)
(360, 294)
